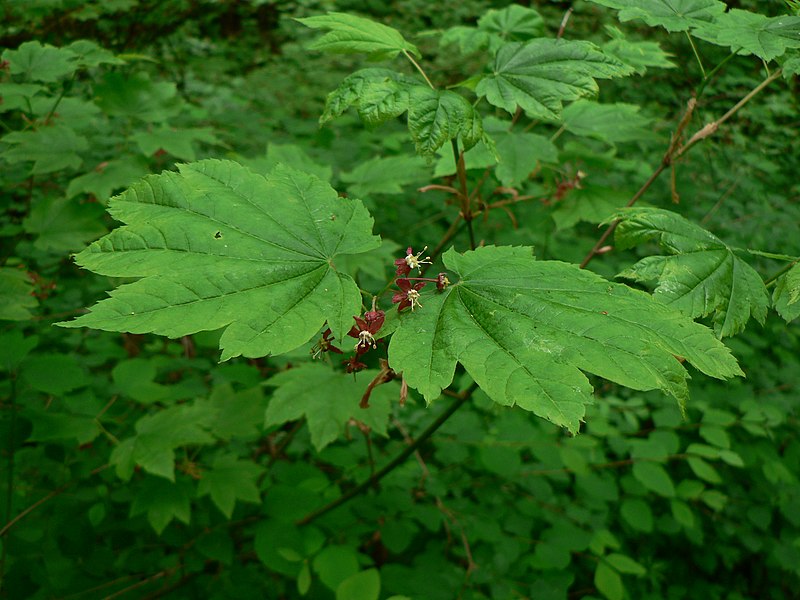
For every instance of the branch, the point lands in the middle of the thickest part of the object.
(676, 150)
(394, 463)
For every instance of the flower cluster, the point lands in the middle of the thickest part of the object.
(411, 261)
(409, 292)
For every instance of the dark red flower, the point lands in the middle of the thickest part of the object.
(408, 294)
(442, 281)
(411, 261)
(353, 365)
(325, 344)
(365, 329)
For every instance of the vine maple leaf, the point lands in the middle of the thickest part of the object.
(526, 330)
(218, 246)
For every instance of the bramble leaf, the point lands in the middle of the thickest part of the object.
(542, 74)
(218, 246)
(702, 276)
(751, 33)
(525, 329)
(328, 401)
(436, 117)
(786, 297)
(377, 94)
(229, 480)
(349, 34)
(672, 15)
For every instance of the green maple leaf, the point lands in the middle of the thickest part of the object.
(177, 142)
(229, 480)
(525, 330)
(16, 295)
(386, 175)
(328, 401)
(510, 24)
(218, 246)
(638, 55)
(157, 437)
(701, 276)
(51, 148)
(36, 62)
(612, 123)
(672, 15)
(540, 75)
(163, 501)
(63, 225)
(786, 297)
(350, 34)
(751, 33)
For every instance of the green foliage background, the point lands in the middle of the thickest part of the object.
(136, 466)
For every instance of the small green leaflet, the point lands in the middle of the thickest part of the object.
(163, 501)
(136, 96)
(791, 67)
(511, 24)
(542, 74)
(752, 33)
(62, 225)
(349, 34)
(786, 297)
(228, 480)
(328, 401)
(50, 148)
(16, 295)
(434, 116)
(177, 142)
(637, 55)
(386, 175)
(612, 123)
(217, 245)
(672, 15)
(700, 277)
(608, 582)
(525, 329)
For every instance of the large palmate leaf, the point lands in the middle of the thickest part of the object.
(672, 15)
(751, 33)
(526, 329)
(701, 276)
(218, 246)
(349, 34)
(542, 74)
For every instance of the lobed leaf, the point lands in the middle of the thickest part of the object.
(786, 297)
(637, 55)
(751, 33)
(672, 15)
(513, 23)
(612, 123)
(349, 34)
(328, 401)
(540, 75)
(702, 276)
(526, 329)
(218, 246)
(36, 62)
